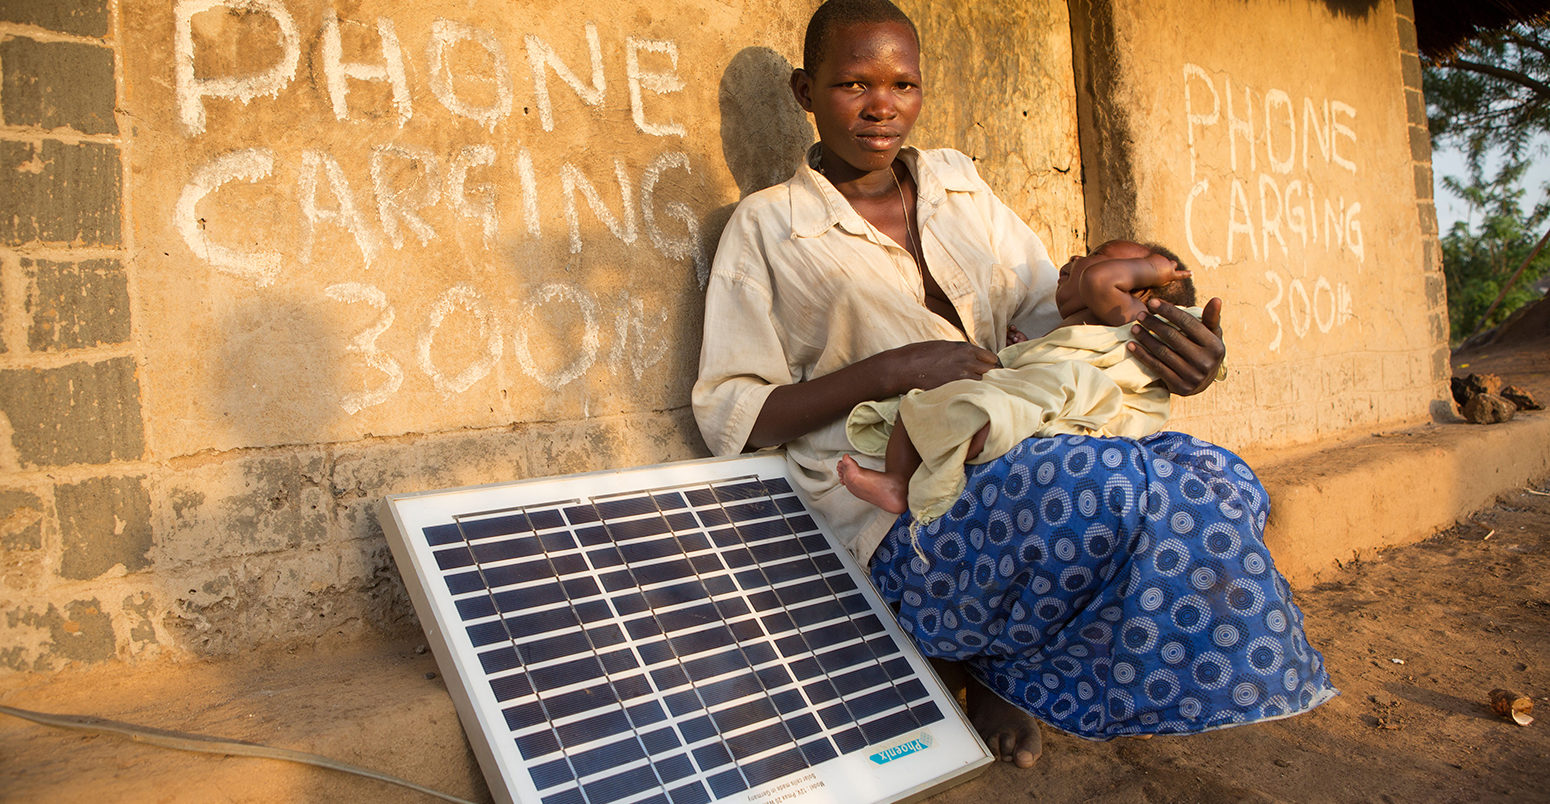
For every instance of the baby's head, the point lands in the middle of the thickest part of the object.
(1178, 292)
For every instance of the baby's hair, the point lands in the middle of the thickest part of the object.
(1179, 292)
(837, 14)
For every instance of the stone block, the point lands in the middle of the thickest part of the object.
(78, 413)
(36, 640)
(58, 84)
(22, 514)
(1407, 42)
(103, 523)
(77, 304)
(81, 17)
(1415, 107)
(246, 506)
(1405, 9)
(1411, 68)
(51, 192)
(1436, 288)
(1420, 148)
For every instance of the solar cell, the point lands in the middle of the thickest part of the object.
(681, 633)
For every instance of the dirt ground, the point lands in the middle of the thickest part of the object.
(1415, 637)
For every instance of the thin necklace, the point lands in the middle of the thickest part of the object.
(909, 230)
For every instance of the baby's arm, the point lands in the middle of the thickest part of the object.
(1107, 286)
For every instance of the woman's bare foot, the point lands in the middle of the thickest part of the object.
(878, 488)
(1011, 733)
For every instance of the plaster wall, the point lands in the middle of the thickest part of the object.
(1280, 148)
(266, 261)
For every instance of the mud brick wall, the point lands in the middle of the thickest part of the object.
(263, 262)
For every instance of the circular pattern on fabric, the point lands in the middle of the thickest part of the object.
(998, 528)
(1189, 708)
(1226, 635)
(1162, 686)
(1254, 563)
(1246, 694)
(1190, 613)
(1176, 653)
(1118, 495)
(1123, 672)
(1221, 540)
(1194, 490)
(1162, 469)
(949, 545)
(1182, 523)
(1087, 503)
(1152, 598)
(1065, 549)
(1171, 557)
(1112, 458)
(1275, 620)
(1055, 508)
(1244, 597)
(1138, 635)
(988, 494)
(1202, 578)
(1075, 579)
(1027, 518)
(1049, 609)
(1289, 679)
(1211, 670)
(1079, 461)
(1265, 654)
(1098, 541)
(1045, 473)
(1120, 704)
(1085, 690)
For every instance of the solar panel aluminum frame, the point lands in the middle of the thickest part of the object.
(941, 754)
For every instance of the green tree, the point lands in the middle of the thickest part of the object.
(1491, 100)
(1480, 256)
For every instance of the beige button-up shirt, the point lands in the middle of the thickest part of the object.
(803, 286)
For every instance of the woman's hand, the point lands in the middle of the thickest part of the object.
(1186, 355)
(800, 408)
(932, 363)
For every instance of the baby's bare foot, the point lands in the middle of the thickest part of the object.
(878, 488)
(1011, 733)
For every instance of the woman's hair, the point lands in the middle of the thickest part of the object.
(837, 14)
(1179, 292)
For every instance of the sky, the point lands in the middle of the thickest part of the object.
(1450, 162)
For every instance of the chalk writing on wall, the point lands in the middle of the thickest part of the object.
(1270, 180)
(405, 194)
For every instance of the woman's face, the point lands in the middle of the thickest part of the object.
(865, 95)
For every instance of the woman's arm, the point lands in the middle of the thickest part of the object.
(797, 409)
(1187, 355)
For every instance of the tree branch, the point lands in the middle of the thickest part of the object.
(1539, 87)
(1532, 44)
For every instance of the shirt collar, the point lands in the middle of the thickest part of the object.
(817, 207)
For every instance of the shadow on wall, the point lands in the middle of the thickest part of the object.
(1351, 8)
(764, 133)
(279, 370)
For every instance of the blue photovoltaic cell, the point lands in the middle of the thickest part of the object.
(678, 645)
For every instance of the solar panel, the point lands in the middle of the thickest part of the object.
(683, 634)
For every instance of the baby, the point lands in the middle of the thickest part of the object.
(1079, 379)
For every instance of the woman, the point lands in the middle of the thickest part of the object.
(1099, 584)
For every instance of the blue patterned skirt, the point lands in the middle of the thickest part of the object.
(1109, 586)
